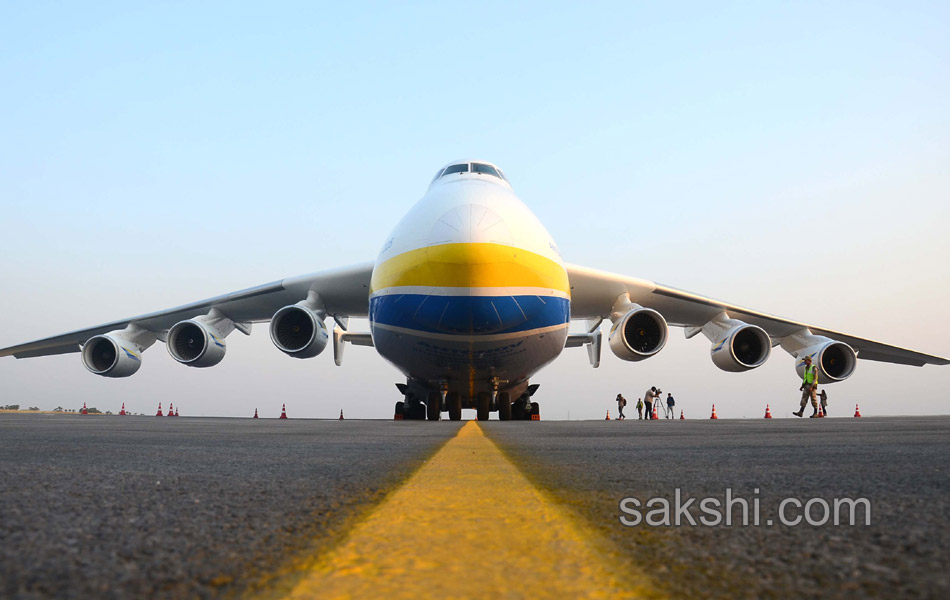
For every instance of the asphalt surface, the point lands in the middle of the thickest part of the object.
(148, 507)
(113, 507)
(900, 465)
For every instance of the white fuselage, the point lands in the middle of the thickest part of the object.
(469, 290)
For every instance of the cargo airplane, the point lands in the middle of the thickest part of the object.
(469, 297)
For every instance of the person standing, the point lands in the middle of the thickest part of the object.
(648, 399)
(670, 403)
(808, 388)
(823, 398)
(621, 402)
(640, 408)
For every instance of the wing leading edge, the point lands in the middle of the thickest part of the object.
(593, 293)
(344, 292)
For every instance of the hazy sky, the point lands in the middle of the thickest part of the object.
(789, 158)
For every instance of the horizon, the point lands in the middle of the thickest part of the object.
(788, 159)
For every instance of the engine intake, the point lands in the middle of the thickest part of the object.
(298, 332)
(639, 334)
(111, 356)
(836, 360)
(741, 348)
(195, 344)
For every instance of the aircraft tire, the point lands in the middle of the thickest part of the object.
(483, 407)
(454, 401)
(518, 412)
(535, 409)
(434, 406)
(415, 410)
(400, 408)
(504, 406)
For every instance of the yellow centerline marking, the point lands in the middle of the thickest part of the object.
(468, 524)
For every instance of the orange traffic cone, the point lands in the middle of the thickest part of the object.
(682, 417)
(821, 413)
(122, 412)
(84, 411)
(171, 410)
(283, 411)
(655, 417)
(255, 414)
(159, 413)
(176, 412)
(768, 412)
(341, 414)
(857, 411)
(608, 416)
(714, 415)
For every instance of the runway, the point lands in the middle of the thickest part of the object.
(111, 507)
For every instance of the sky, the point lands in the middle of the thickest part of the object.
(790, 158)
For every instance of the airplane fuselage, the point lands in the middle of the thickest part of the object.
(469, 290)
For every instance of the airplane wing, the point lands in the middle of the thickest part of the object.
(593, 293)
(344, 292)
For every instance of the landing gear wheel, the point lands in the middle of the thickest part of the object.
(434, 406)
(415, 410)
(518, 411)
(504, 406)
(483, 406)
(454, 401)
(400, 410)
(535, 412)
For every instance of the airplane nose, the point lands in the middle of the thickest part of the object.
(470, 279)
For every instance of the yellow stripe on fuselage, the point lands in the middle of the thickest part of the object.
(470, 266)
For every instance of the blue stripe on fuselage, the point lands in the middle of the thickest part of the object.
(469, 315)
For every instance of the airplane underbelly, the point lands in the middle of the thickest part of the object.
(469, 339)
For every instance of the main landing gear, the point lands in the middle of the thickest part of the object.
(524, 409)
(436, 402)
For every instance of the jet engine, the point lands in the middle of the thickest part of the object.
(111, 356)
(741, 348)
(836, 360)
(638, 334)
(298, 331)
(195, 344)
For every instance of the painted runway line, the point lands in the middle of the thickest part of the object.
(469, 524)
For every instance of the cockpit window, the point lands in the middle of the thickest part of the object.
(437, 175)
(502, 175)
(456, 169)
(486, 169)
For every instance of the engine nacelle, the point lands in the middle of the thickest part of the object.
(111, 356)
(299, 331)
(836, 360)
(195, 344)
(741, 348)
(639, 334)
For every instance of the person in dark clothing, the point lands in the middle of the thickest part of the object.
(648, 399)
(621, 402)
(670, 403)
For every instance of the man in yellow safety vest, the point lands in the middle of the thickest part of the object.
(808, 388)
